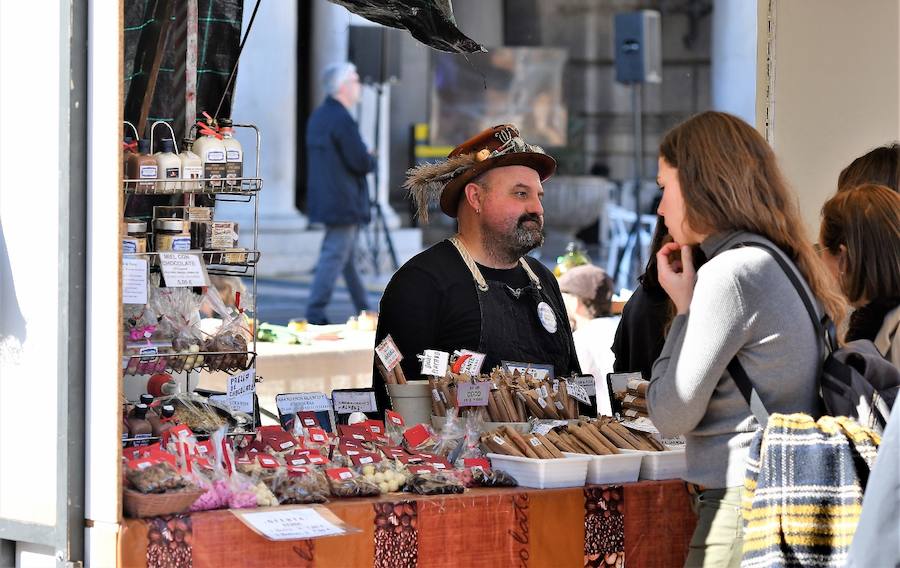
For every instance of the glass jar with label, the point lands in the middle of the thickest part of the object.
(135, 240)
(171, 235)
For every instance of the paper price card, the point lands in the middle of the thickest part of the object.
(434, 363)
(291, 403)
(388, 353)
(579, 392)
(468, 362)
(134, 281)
(587, 382)
(346, 402)
(183, 269)
(472, 393)
(294, 523)
(240, 391)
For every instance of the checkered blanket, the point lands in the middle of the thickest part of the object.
(803, 490)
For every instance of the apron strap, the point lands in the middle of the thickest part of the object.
(476, 273)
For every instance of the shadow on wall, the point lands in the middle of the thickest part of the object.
(12, 323)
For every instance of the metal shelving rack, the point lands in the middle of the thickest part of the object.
(226, 262)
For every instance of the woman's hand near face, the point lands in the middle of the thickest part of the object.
(677, 275)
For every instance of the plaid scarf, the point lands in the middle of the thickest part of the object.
(803, 490)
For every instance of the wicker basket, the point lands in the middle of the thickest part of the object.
(143, 505)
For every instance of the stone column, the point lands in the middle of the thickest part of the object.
(265, 95)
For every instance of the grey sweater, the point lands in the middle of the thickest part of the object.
(743, 304)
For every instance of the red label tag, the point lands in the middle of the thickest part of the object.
(355, 431)
(317, 435)
(266, 460)
(317, 460)
(339, 473)
(411, 459)
(278, 439)
(308, 419)
(365, 458)
(374, 426)
(420, 469)
(475, 463)
(294, 460)
(349, 450)
(416, 435)
(296, 470)
(393, 451)
(180, 432)
(205, 448)
(439, 463)
(394, 418)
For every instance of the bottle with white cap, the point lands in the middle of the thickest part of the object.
(234, 154)
(191, 166)
(212, 155)
(169, 167)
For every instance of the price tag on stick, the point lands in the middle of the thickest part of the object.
(473, 393)
(388, 352)
(434, 363)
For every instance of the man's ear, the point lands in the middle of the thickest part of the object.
(473, 193)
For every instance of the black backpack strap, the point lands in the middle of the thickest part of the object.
(824, 329)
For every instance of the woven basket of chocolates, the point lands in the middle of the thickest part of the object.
(142, 505)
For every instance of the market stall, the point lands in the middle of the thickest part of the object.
(484, 527)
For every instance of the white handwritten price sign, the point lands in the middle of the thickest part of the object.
(183, 269)
(472, 393)
(346, 402)
(291, 403)
(134, 280)
(578, 391)
(434, 363)
(240, 391)
(294, 523)
(388, 353)
(472, 363)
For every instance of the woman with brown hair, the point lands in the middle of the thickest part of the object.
(880, 166)
(860, 239)
(722, 187)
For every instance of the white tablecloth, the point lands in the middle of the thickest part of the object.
(320, 367)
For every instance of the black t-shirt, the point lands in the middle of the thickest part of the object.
(432, 303)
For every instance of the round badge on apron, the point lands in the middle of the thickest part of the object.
(548, 319)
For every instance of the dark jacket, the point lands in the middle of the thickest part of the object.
(338, 162)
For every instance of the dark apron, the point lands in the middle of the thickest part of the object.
(511, 329)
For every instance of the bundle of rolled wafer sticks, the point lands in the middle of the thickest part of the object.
(393, 377)
(634, 400)
(601, 436)
(514, 397)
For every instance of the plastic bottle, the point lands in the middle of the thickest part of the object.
(212, 157)
(574, 256)
(163, 422)
(234, 155)
(139, 428)
(142, 166)
(191, 166)
(169, 165)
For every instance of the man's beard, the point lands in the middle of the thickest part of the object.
(512, 243)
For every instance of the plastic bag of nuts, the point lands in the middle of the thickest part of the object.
(434, 484)
(157, 477)
(354, 486)
(300, 488)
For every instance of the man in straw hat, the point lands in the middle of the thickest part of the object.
(477, 290)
